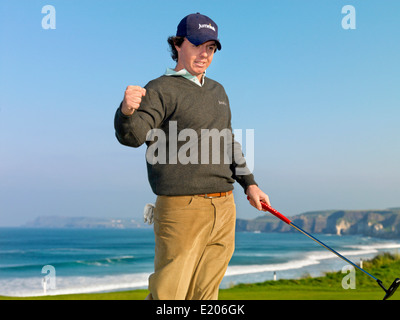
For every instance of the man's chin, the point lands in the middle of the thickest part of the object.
(198, 71)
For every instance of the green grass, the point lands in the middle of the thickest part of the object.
(385, 267)
(118, 295)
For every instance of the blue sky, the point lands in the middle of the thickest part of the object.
(324, 102)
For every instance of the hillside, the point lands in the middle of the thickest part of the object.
(374, 223)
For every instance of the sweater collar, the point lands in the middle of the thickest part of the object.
(184, 73)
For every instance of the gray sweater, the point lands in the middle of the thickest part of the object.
(187, 129)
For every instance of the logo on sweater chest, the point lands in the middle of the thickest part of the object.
(222, 103)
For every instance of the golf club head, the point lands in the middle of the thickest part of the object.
(393, 287)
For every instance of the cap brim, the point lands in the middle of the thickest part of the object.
(199, 40)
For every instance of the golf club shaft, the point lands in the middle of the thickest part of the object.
(330, 249)
(287, 221)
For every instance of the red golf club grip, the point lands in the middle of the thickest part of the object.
(274, 212)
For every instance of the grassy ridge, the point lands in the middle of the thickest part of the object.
(385, 267)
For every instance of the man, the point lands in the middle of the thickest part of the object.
(194, 216)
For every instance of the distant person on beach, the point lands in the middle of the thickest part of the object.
(193, 160)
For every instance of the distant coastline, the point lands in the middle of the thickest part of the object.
(83, 223)
(383, 223)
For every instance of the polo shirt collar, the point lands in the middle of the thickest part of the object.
(184, 73)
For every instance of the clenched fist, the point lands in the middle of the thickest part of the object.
(132, 99)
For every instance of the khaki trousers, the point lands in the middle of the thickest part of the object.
(194, 242)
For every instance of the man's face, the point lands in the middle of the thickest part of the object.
(195, 59)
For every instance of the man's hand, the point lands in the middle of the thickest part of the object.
(132, 99)
(256, 195)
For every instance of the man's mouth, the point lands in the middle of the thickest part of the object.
(199, 64)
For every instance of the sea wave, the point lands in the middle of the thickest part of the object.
(376, 246)
(103, 262)
(107, 261)
(255, 268)
(27, 287)
(312, 258)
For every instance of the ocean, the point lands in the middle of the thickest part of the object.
(102, 260)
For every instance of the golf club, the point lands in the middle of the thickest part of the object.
(388, 292)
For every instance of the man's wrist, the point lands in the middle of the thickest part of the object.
(249, 187)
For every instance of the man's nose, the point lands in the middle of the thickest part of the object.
(204, 53)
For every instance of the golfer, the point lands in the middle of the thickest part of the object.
(192, 161)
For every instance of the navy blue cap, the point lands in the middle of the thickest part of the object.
(198, 29)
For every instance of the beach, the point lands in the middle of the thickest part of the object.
(117, 260)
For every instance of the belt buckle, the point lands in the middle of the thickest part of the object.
(207, 197)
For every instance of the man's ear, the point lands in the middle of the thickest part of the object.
(177, 47)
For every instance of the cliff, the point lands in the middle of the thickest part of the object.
(374, 223)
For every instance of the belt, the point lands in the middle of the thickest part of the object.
(215, 195)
